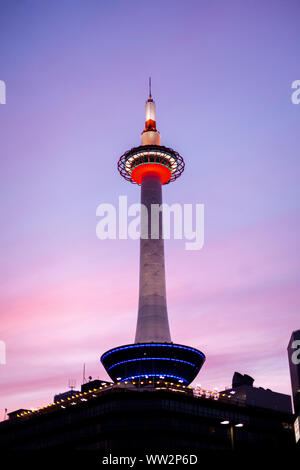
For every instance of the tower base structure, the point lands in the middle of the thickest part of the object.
(141, 361)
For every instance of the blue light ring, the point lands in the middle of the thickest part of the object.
(155, 359)
(141, 345)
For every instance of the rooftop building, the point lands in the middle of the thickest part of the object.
(243, 390)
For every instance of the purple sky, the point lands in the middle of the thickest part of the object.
(76, 75)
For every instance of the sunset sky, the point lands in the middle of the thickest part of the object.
(76, 75)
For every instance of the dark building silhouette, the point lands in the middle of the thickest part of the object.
(243, 389)
(157, 417)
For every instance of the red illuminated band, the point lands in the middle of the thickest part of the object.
(161, 171)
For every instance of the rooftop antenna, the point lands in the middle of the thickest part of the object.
(72, 384)
(150, 95)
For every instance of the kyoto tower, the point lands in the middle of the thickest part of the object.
(153, 354)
